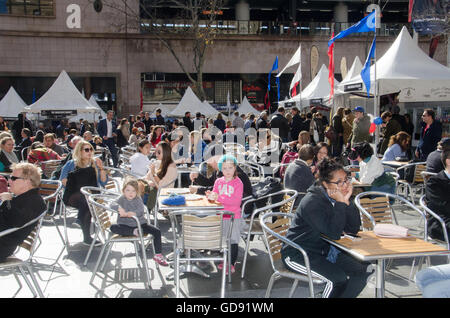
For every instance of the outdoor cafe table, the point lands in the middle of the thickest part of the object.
(374, 248)
(194, 205)
(184, 169)
(395, 164)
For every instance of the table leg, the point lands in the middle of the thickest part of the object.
(379, 290)
(189, 268)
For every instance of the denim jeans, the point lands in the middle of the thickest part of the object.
(434, 281)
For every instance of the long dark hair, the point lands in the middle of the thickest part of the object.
(166, 159)
(399, 139)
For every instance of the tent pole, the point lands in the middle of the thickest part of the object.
(375, 96)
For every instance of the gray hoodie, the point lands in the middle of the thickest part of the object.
(136, 205)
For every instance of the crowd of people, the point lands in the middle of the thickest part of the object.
(312, 149)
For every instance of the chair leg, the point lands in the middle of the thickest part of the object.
(270, 285)
(30, 285)
(35, 282)
(177, 273)
(244, 263)
(138, 261)
(229, 263)
(105, 258)
(225, 261)
(144, 261)
(91, 247)
(63, 211)
(59, 232)
(94, 272)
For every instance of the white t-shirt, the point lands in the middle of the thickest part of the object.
(139, 164)
(109, 128)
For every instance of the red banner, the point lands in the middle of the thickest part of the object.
(331, 67)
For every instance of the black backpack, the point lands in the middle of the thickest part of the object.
(267, 186)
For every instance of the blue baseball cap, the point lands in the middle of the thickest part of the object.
(359, 109)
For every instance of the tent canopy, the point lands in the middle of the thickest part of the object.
(11, 104)
(62, 96)
(90, 117)
(319, 88)
(355, 70)
(405, 68)
(246, 107)
(190, 103)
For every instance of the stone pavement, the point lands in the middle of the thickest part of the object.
(62, 274)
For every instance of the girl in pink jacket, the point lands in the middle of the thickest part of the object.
(229, 190)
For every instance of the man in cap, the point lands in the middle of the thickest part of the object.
(361, 127)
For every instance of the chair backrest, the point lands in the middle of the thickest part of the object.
(352, 168)
(281, 227)
(414, 176)
(49, 166)
(101, 212)
(426, 176)
(432, 214)
(381, 211)
(418, 177)
(285, 205)
(379, 208)
(49, 189)
(25, 153)
(200, 229)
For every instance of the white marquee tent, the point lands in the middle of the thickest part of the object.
(405, 68)
(62, 96)
(246, 108)
(92, 116)
(11, 104)
(190, 103)
(319, 88)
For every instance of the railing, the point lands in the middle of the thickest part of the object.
(272, 28)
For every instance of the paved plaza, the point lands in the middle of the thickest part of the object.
(61, 274)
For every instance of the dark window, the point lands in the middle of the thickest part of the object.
(29, 7)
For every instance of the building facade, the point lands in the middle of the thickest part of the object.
(107, 54)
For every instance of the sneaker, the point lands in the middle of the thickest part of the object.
(88, 242)
(160, 259)
(220, 267)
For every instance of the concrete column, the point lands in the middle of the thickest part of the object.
(242, 11)
(341, 12)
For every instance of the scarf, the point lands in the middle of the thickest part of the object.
(11, 156)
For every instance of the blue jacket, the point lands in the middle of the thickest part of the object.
(429, 139)
(102, 128)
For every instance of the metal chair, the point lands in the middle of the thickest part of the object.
(108, 195)
(254, 173)
(254, 228)
(51, 190)
(432, 214)
(24, 153)
(102, 214)
(201, 230)
(407, 188)
(49, 166)
(274, 237)
(29, 245)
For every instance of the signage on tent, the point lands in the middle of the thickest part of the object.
(353, 87)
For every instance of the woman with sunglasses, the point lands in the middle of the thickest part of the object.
(326, 209)
(82, 170)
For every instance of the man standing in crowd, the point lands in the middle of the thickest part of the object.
(148, 122)
(18, 125)
(107, 130)
(238, 122)
(262, 121)
(159, 118)
(187, 121)
(361, 127)
(296, 124)
(138, 123)
(430, 134)
(279, 121)
(19, 207)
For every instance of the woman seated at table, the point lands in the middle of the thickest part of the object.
(371, 170)
(7, 155)
(161, 174)
(267, 149)
(140, 161)
(327, 210)
(82, 170)
(398, 145)
(155, 136)
(320, 153)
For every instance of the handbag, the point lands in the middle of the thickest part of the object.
(78, 178)
(330, 133)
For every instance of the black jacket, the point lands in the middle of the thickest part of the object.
(429, 139)
(280, 122)
(315, 217)
(5, 161)
(261, 123)
(15, 213)
(434, 162)
(296, 126)
(437, 195)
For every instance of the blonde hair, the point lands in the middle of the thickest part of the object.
(30, 172)
(5, 139)
(77, 155)
(197, 137)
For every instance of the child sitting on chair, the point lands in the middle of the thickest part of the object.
(130, 204)
(228, 190)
